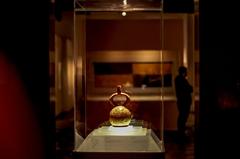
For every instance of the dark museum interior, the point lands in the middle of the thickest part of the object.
(86, 79)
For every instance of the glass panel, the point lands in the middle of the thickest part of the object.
(118, 5)
(144, 74)
(120, 77)
(134, 45)
(180, 38)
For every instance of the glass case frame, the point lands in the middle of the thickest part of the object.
(85, 91)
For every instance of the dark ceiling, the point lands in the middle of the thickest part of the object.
(171, 6)
(119, 5)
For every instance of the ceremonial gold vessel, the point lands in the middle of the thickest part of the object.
(119, 115)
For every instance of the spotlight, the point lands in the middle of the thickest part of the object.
(124, 14)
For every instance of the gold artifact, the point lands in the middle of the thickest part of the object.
(119, 115)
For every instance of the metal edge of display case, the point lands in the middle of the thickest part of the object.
(118, 155)
(116, 6)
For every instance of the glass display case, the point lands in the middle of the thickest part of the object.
(121, 75)
(126, 56)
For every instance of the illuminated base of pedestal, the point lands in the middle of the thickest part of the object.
(121, 140)
(120, 131)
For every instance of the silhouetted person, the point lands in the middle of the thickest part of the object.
(184, 100)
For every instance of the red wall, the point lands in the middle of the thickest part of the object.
(133, 35)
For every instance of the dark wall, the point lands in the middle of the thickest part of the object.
(133, 34)
(218, 130)
(24, 41)
(177, 6)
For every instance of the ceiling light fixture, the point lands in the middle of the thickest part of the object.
(124, 14)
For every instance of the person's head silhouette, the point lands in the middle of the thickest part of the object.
(182, 70)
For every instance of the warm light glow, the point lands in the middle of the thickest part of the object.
(124, 13)
(120, 131)
(124, 2)
(185, 58)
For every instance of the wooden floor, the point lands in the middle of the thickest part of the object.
(176, 150)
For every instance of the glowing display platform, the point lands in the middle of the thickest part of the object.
(121, 139)
(120, 131)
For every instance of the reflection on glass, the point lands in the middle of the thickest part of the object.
(133, 74)
(196, 74)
